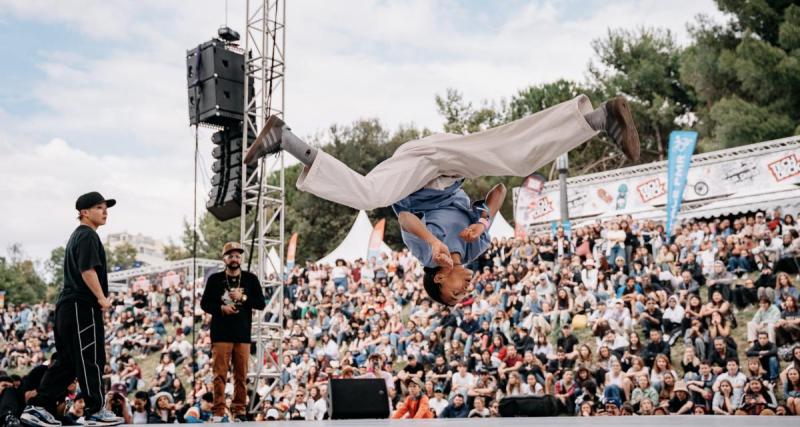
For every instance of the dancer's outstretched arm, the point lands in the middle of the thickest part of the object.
(494, 200)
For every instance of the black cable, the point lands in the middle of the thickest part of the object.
(194, 236)
(196, 85)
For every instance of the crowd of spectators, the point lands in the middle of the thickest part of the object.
(657, 321)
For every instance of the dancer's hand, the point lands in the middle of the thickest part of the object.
(471, 233)
(441, 254)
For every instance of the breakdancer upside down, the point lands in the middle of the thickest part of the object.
(422, 180)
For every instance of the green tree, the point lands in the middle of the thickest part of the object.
(175, 252)
(746, 72)
(212, 234)
(19, 279)
(55, 267)
(644, 65)
(122, 257)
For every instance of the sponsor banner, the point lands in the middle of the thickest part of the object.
(290, 251)
(376, 239)
(681, 147)
(626, 191)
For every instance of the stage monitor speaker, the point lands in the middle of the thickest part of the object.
(528, 406)
(363, 398)
(213, 60)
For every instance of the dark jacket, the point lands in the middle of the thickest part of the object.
(451, 411)
(234, 328)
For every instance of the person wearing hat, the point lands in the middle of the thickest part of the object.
(79, 332)
(416, 405)
(680, 403)
(230, 297)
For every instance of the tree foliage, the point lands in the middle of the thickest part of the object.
(122, 257)
(55, 267)
(746, 72)
(19, 279)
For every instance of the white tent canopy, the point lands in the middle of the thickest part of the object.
(356, 244)
(501, 228)
(786, 197)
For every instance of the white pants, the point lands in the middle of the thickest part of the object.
(518, 148)
(753, 329)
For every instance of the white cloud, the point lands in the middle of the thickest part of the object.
(42, 182)
(345, 60)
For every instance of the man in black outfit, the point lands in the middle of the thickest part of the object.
(79, 331)
(230, 297)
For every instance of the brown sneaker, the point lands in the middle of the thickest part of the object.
(267, 142)
(621, 128)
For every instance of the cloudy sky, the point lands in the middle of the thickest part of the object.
(93, 93)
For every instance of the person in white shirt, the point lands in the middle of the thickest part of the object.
(462, 381)
(736, 378)
(437, 403)
(532, 387)
(317, 406)
(673, 320)
(589, 275)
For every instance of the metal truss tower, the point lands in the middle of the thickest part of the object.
(263, 192)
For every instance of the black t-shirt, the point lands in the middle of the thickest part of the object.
(84, 251)
(568, 343)
(414, 369)
(234, 328)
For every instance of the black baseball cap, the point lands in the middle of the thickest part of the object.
(86, 201)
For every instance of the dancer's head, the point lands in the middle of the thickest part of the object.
(446, 285)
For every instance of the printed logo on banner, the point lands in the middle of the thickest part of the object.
(577, 200)
(740, 171)
(785, 167)
(651, 189)
(540, 207)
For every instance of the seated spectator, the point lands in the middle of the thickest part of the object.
(163, 409)
(654, 347)
(690, 364)
(565, 390)
(721, 354)
(480, 410)
(643, 390)
(756, 398)
(651, 317)
(680, 403)
(764, 320)
(787, 328)
(456, 409)
(734, 377)
(724, 401)
(416, 405)
(700, 385)
(532, 387)
(767, 354)
(720, 280)
(673, 320)
(438, 402)
(201, 411)
(791, 390)
(75, 413)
